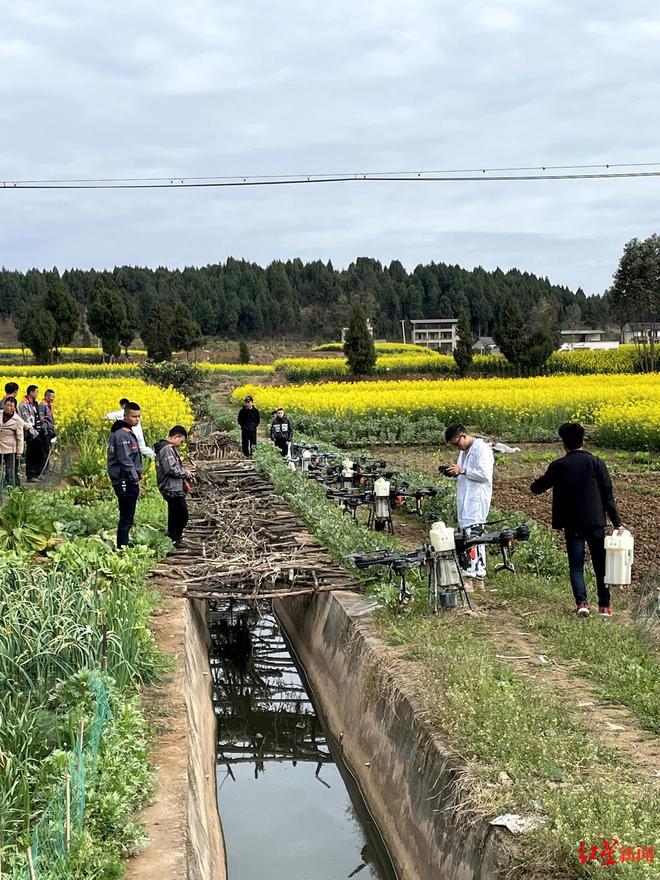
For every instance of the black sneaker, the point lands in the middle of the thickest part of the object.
(180, 544)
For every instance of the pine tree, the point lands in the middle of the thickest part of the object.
(243, 352)
(106, 316)
(186, 333)
(64, 309)
(509, 334)
(463, 351)
(36, 330)
(359, 345)
(157, 332)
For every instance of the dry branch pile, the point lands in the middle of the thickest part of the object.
(245, 543)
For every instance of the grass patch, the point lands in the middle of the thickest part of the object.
(619, 656)
(497, 723)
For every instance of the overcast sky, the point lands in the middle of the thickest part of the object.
(208, 87)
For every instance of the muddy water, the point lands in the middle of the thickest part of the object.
(289, 810)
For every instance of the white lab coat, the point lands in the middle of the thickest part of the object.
(474, 489)
(137, 431)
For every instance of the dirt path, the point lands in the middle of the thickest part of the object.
(615, 726)
(164, 704)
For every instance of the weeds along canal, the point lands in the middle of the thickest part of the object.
(289, 807)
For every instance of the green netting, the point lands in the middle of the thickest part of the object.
(49, 836)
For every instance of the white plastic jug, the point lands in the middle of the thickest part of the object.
(442, 537)
(382, 498)
(618, 557)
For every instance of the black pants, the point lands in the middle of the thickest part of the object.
(10, 461)
(283, 446)
(177, 516)
(127, 496)
(34, 457)
(595, 539)
(249, 440)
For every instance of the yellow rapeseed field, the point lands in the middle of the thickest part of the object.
(82, 403)
(623, 407)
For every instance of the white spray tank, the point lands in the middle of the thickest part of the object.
(305, 460)
(381, 499)
(619, 558)
(347, 473)
(443, 542)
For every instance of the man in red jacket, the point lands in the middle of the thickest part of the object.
(582, 495)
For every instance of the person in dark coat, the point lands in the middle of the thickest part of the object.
(281, 431)
(28, 410)
(248, 419)
(125, 469)
(582, 496)
(173, 482)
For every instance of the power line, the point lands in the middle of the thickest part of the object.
(580, 172)
(178, 179)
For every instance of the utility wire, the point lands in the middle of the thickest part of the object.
(177, 179)
(509, 174)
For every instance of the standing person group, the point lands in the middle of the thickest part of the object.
(582, 500)
(34, 440)
(281, 429)
(125, 471)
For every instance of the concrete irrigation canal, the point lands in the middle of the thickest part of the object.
(305, 759)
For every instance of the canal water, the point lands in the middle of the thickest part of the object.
(290, 809)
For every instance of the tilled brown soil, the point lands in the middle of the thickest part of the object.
(635, 497)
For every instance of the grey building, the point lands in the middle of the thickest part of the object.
(436, 333)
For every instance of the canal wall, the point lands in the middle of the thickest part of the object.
(205, 849)
(408, 777)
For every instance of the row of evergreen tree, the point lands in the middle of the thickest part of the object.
(170, 308)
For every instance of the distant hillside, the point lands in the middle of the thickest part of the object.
(310, 300)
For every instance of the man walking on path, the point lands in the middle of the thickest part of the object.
(118, 414)
(281, 431)
(248, 419)
(173, 483)
(125, 469)
(11, 443)
(28, 410)
(474, 488)
(582, 495)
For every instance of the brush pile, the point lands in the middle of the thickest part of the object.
(243, 542)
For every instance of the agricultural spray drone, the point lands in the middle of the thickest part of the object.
(444, 558)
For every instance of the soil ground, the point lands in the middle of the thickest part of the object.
(636, 487)
(164, 705)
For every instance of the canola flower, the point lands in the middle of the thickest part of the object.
(417, 359)
(625, 408)
(106, 371)
(83, 403)
(381, 347)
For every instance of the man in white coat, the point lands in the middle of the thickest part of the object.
(474, 487)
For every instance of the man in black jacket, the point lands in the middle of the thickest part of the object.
(248, 419)
(281, 431)
(582, 496)
(125, 469)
